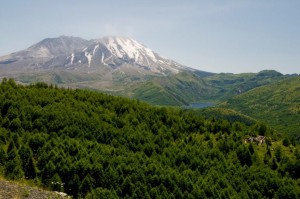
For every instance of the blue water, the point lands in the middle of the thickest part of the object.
(200, 105)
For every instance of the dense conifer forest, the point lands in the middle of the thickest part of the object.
(92, 145)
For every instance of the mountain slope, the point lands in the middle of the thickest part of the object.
(185, 88)
(179, 89)
(41, 55)
(277, 104)
(98, 55)
(229, 85)
(52, 47)
(226, 114)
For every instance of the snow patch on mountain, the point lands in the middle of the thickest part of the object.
(89, 57)
(72, 58)
(102, 59)
(123, 47)
(95, 48)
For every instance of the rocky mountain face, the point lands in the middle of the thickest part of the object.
(107, 54)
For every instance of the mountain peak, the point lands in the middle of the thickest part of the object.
(58, 46)
(125, 47)
(107, 53)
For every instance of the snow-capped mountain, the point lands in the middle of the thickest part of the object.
(105, 54)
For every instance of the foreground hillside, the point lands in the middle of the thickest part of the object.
(277, 104)
(98, 146)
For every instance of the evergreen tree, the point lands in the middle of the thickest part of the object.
(73, 186)
(102, 193)
(56, 183)
(87, 184)
(244, 155)
(14, 169)
(3, 157)
(30, 169)
(278, 154)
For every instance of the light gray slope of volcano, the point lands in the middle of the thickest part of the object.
(39, 55)
(92, 56)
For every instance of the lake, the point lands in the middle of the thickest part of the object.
(200, 105)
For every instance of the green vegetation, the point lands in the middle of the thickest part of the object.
(186, 88)
(179, 89)
(226, 114)
(229, 85)
(58, 77)
(94, 145)
(277, 104)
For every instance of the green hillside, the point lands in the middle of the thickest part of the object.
(56, 77)
(229, 85)
(175, 90)
(226, 114)
(180, 89)
(277, 104)
(92, 145)
(187, 88)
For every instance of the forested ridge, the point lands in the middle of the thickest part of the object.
(276, 104)
(92, 145)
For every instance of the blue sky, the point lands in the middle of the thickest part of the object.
(217, 36)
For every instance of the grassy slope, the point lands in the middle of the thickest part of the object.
(277, 104)
(233, 84)
(180, 89)
(226, 114)
(187, 88)
(176, 90)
